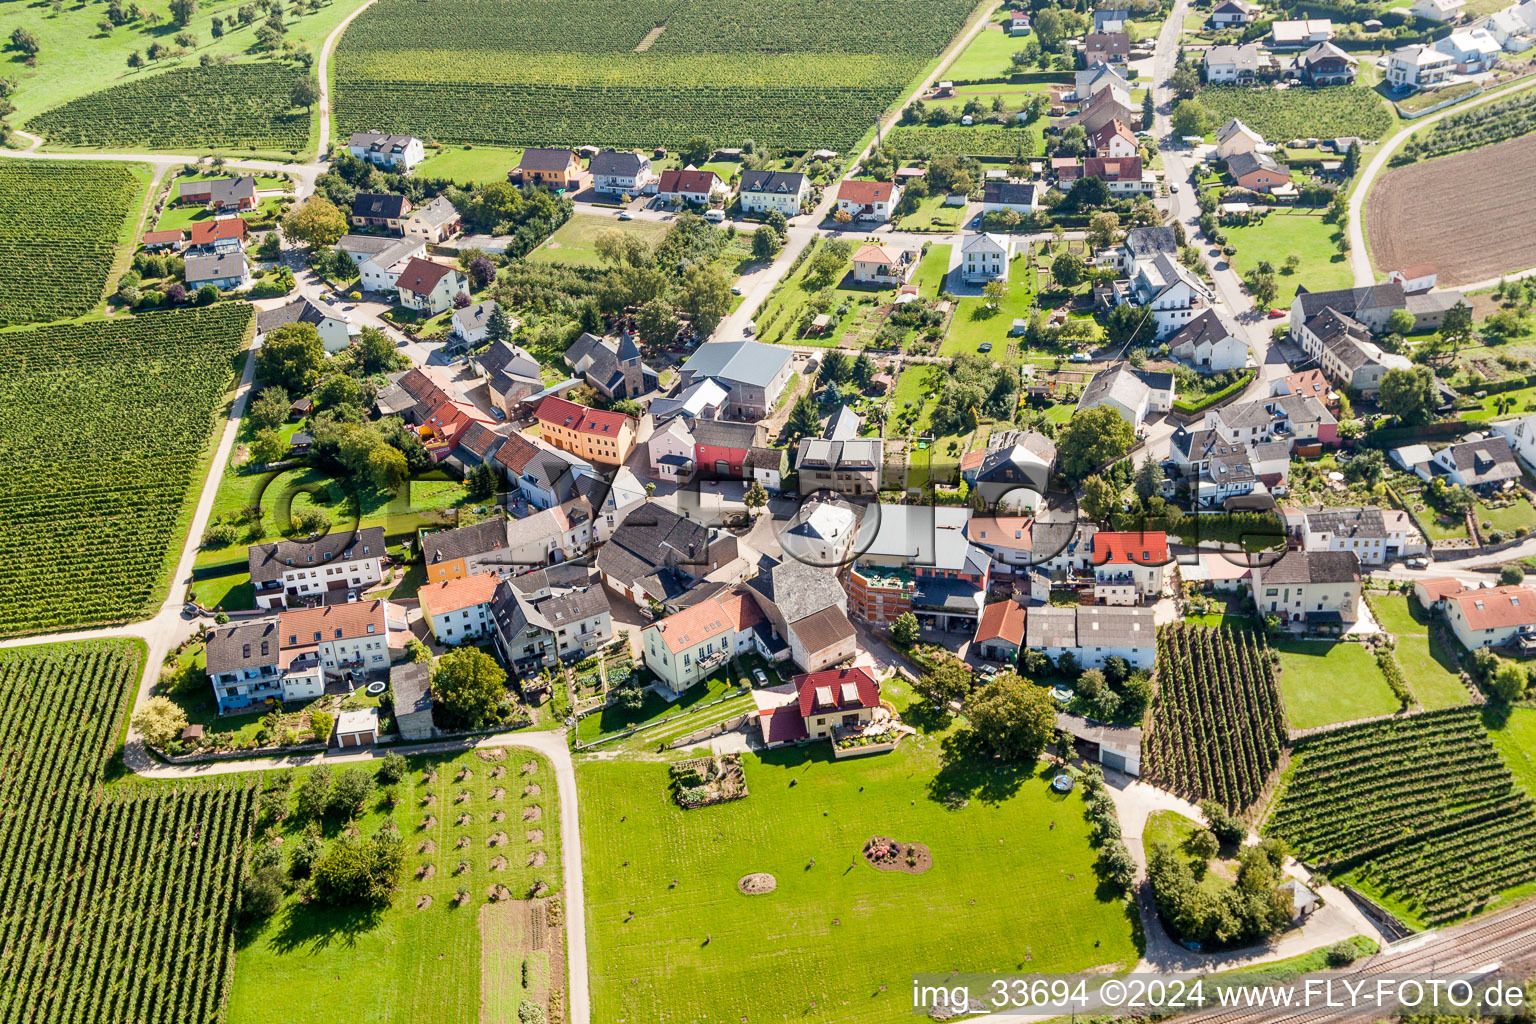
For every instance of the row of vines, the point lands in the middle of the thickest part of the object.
(1218, 724)
(115, 904)
(1420, 809)
(227, 106)
(105, 426)
(59, 222)
(1280, 114)
(1474, 128)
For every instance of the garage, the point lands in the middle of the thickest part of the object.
(357, 728)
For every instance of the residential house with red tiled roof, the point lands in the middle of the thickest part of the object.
(1128, 567)
(884, 266)
(443, 428)
(226, 234)
(1494, 617)
(155, 240)
(459, 610)
(596, 435)
(690, 645)
(1000, 633)
(868, 200)
(293, 656)
(1113, 141)
(818, 705)
(690, 185)
(429, 287)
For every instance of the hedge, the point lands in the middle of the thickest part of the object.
(1210, 400)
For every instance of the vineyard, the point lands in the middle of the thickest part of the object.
(1280, 114)
(59, 223)
(908, 141)
(1218, 723)
(105, 426)
(1480, 126)
(114, 905)
(229, 106)
(536, 72)
(1420, 810)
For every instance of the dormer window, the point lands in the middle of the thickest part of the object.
(245, 651)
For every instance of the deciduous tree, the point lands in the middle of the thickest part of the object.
(315, 222)
(1013, 717)
(469, 685)
(159, 721)
(1092, 438)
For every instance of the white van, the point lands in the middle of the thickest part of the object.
(714, 216)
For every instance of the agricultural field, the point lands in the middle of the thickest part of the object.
(1280, 114)
(1310, 671)
(105, 886)
(982, 140)
(1217, 723)
(1286, 232)
(538, 72)
(1420, 211)
(1429, 665)
(76, 57)
(60, 226)
(1420, 813)
(1012, 879)
(107, 433)
(425, 957)
(226, 107)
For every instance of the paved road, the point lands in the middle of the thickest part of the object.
(326, 49)
(1359, 257)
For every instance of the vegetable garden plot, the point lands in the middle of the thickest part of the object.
(1218, 723)
(228, 106)
(114, 905)
(104, 426)
(59, 223)
(1422, 809)
(536, 72)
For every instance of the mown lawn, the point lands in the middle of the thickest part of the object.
(1513, 731)
(1012, 887)
(1429, 667)
(613, 719)
(419, 965)
(1509, 518)
(1283, 233)
(470, 163)
(575, 242)
(989, 55)
(932, 272)
(1325, 681)
(918, 384)
(931, 214)
(975, 322)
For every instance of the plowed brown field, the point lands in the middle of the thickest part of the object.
(1473, 215)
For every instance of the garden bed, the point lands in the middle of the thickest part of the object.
(884, 854)
(702, 781)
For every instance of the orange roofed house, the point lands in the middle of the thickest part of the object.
(688, 646)
(868, 200)
(1494, 617)
(459, 610)
(1128, 567)
(1000, 634)
(293, 656)
(592, 434)
(820, 705)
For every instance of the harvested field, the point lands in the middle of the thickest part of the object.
(1421, 212)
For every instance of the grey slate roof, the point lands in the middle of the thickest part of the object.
(300, 311)
(370, 245)
(1239, 164)
(615, 163)
(1012, 193)
(1149, 241)
(267, 562)
(1347, 522)
(726, 433)
(1312, 567)
(464, 541)
(411, 683)
(782, 182)
(796, 589)
(379, 204)
(738, 362)
(474, 317)
(1350, 301)
(215, 268)
(237, 647)
(1210, 326)
(543, 159)
(1489, 460)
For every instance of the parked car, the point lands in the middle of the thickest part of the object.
(760, 676)
(1418, 563)
(1079, 357)
(1174, 187)
(735, 289)
(1276, 314)
(626, 215)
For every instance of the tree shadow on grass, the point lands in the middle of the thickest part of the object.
(968, 770)
(311, 927)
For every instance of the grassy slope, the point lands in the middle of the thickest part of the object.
(1004, 885)
(409, 965)
(76, 59)
(1430, 669)
(1514, 734)
(1310, 682)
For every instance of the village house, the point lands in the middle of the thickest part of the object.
(1168, 288)
(1096, 77)
(1113, 141)
(511, 373)
(341, 564)
(984, 257)
(720, 447)
(1369, 305)
(1344, 350)
(1324, 64)
(1093, 634)
(1108, 47)
(335, 328)
(754, 374)
(1107, 105)
(1015, 471)
(868, 200)
(1520, 435)
(1227, 64)
(669, 451)
(227, 271)
(617, 172)
(549, 616)
(769, 466)
(379, 270)
(1258, 172)
(162, 241)
(763, 191)
(410, 687)
(558, 170)
(543, 474)
(1128, 567)
(595, 435)
(381, 211)
(1485, 464)
(807, 612)
(458, 611)
(1437, 10)
(916, 558)
(845, 465)
(1000, 633)
(1018, 23)
(884, 266)
(1415, 279)
(999, 195)
(656, 555)
(1473, 50)
(434, 223)
(687, 647)
(471, 323)
(822, 532)
(292, 657)
(1317, 589)
(1111, 19)
(443, 428)
(1493, 617)
(1418, 66)
(1123, 176)
(1210, 343)
(222, 234)
(819, 705)
(1298, 35)
(222, 195)
(398, 153)
(1234, 137)
(611, 365)
(701, 400)
(1233, 14)
(1130, 392)
(1312, 383)
(690, 185)
(430, 287)
(1376, 536)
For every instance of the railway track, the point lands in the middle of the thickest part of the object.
(1509, 940)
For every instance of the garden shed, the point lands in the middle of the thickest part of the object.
(358, 727)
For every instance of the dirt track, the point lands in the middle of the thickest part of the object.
(1458, 213)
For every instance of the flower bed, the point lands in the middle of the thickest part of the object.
(701, 781)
